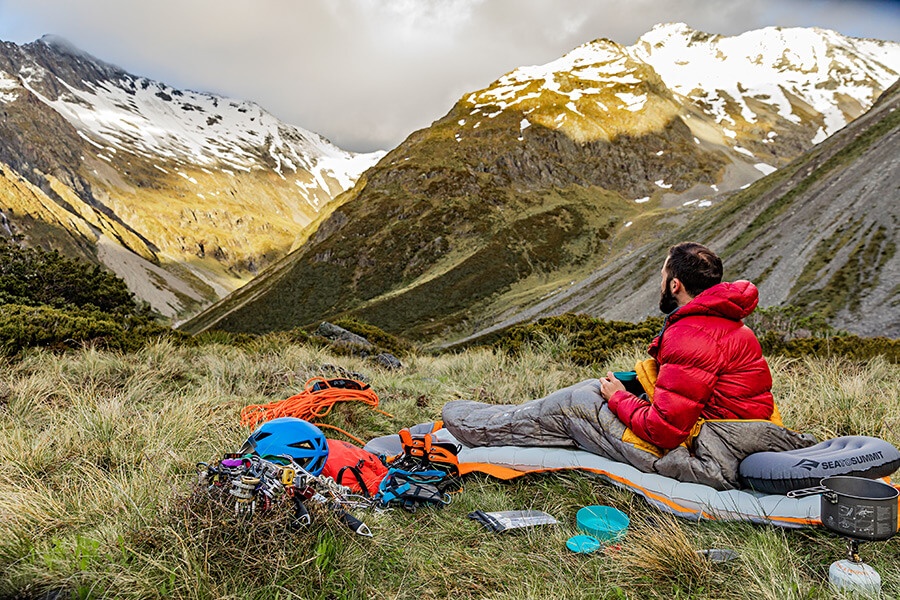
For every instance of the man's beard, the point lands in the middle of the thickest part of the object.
(667, 301)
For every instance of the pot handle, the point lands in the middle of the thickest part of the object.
(813, 491)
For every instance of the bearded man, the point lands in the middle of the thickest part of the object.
(710, 363)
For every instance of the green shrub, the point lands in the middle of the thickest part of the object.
(33, 277)
(789, 322)
(385, 341)
(791, 332)
(251, 341)
(783, 332)
(847, 346)
(591, 339)
(50, 301)
(24, 327)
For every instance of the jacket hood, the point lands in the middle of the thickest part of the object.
(729, 300)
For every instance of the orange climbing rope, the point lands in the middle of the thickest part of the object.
(313, 403)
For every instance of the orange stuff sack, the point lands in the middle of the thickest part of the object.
(354, 467)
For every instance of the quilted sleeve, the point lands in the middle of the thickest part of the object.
(689, 364)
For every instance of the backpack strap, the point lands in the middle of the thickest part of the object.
(355, 470)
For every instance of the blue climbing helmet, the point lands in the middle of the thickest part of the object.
(299, 439)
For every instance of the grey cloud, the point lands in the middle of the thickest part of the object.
(366, 73)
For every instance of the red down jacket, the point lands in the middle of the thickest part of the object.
(710, 366)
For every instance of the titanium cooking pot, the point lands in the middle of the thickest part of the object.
(856, 507)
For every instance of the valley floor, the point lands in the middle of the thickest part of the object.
(97, 455)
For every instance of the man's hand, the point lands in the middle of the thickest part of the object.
(609, 385)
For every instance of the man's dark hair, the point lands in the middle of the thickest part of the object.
(696, 266)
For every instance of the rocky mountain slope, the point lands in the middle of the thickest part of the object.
(529, 186)
(185, 195)
(820, 234)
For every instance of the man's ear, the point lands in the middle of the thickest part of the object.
(675, 285)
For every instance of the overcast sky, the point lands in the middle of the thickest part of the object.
(366, 73)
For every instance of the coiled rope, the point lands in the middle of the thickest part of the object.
(312, 404)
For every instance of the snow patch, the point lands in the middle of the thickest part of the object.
(628, 224)
(597, 67)
(8, 82)
(7, 85)
(632, 102)
(346, 169)
(662, 183)
(89, 140)
(704, 204)
(764, 168)
(642, 200)
(571, 106)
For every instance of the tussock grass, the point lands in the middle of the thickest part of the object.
(97, 456)
(659, 553)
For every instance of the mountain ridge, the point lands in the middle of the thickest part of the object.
(483, 214)
(186, 195)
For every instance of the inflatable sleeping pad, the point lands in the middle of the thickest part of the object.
(688, 500)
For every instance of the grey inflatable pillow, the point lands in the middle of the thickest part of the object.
(782, 472)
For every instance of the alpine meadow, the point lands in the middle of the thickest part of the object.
(240, 361)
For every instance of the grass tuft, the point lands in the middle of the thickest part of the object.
(659, 553)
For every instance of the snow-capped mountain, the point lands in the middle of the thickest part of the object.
(154, 120)
(791, 70)
(195, 189)
(762, 97)
(550, 187)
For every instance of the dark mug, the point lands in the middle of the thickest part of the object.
(630, 381)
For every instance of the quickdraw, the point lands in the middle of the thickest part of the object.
(256, 483)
